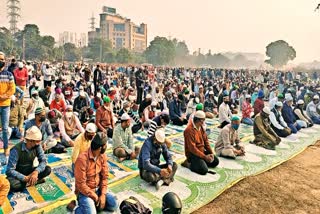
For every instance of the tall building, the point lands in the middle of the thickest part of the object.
(120, 31)
(74, 38)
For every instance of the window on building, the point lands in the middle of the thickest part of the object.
(119, 27)
(119, 43)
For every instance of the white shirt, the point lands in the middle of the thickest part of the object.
(224, 113)
(275, 123)
(30, 69)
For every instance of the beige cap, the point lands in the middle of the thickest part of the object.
(125, 116)
(160, 135)
(266, 110)
(33, 133)
(91, 128)
(200, 114)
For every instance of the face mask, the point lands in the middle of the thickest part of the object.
(42, 119)
(69, 114)
(226, 102)
(235, 126)
(2, 64)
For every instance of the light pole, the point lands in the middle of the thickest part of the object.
(62, 51)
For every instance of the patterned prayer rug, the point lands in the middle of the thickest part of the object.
(194, 190)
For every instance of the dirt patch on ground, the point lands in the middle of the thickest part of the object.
(292, 187)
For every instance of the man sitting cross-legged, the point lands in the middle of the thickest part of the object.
(20, 169)
(123, 147)
(149, 161)
(228, 143)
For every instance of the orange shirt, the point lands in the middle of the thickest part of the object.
(196, 142)
(90, 174)
(104, 118)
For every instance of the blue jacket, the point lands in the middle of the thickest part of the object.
(149, 157)
(288, 114)
(174, 109)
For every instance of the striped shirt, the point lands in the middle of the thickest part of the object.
(154, 125)
(7, 87)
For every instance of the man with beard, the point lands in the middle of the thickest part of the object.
(91, 179)
(301, 117)
(70, 127)
(20, 170)
(34, 103)
(224, 111)
(123, 147)
(264, 135)
(127, 108)
(312, 110)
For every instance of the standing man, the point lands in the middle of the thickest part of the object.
(97, 78)
(47, 75)
(197, 147)
(21, 76)
(91, 179)
(7, 89)
(149, 161)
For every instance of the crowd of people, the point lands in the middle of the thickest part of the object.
(51, 107)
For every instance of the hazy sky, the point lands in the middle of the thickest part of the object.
(219, 25)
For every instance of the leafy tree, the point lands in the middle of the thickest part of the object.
(161, 51)
(124, 56)
(71, 53)
(279, 53)
(98, 46)
(7, 42)
(32, 40)
(181, 49)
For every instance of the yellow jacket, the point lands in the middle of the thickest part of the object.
(4, 189)
(7, 87)
(80, 145)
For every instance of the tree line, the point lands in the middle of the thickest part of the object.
(29, 44)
